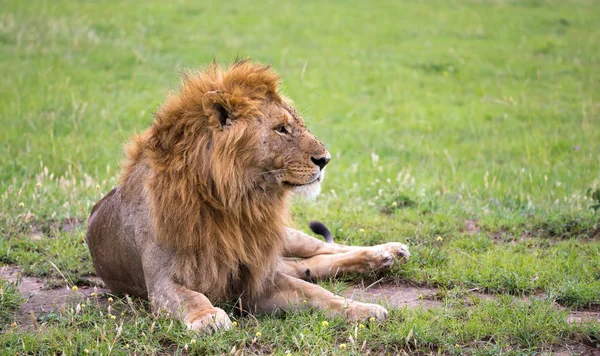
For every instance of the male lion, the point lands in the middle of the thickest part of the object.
(199, 215)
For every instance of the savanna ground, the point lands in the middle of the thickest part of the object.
(468, 129)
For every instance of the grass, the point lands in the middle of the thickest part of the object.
(503, 326)
(10, 299)
(436, 113)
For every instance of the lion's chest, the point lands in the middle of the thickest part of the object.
(248, 273)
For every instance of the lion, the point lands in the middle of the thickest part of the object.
(200, 214)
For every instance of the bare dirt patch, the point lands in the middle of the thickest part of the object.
(583, 316)
(471, 227)
(39, 298)
(395, 295)
(41, 229)
(572, 349)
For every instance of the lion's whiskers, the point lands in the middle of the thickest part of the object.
(280, 170)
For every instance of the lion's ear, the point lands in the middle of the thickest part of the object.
(218, 108)
(223, 115)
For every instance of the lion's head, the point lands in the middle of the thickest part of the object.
(224, 153)
(264, 138)
(234, 127)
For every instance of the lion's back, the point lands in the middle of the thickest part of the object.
(118, 229)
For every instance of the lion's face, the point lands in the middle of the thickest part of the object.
(290, 156)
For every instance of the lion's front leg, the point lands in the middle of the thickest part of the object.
(196, 311)
(360, 260)
(289, 293)
(318, 259)
(299, 244)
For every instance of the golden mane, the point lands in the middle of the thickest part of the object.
(204, 204)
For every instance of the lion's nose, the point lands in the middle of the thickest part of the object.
(321, 161)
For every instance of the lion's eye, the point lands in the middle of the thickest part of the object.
(283, 129)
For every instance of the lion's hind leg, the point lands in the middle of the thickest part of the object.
(289, 293)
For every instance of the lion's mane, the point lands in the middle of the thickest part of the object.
(227, 234)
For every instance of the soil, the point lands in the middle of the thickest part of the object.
(395, 295)
(572, 349)
(39, 230)
(40, 299)
(471, 227)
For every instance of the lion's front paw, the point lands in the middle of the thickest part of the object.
(208, 321)
(398, 250)
(372, 259)
(358, 311)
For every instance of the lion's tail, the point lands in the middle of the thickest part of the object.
(319, 228)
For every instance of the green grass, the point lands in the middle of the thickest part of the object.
(504, 326)
(10, 299)
(485, 111)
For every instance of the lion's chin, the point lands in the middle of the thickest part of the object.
(309, 191)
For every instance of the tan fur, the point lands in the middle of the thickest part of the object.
(200, 212)
(312, 259)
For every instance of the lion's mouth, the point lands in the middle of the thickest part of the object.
(315, 181)
(288, 184)
(292, 185)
